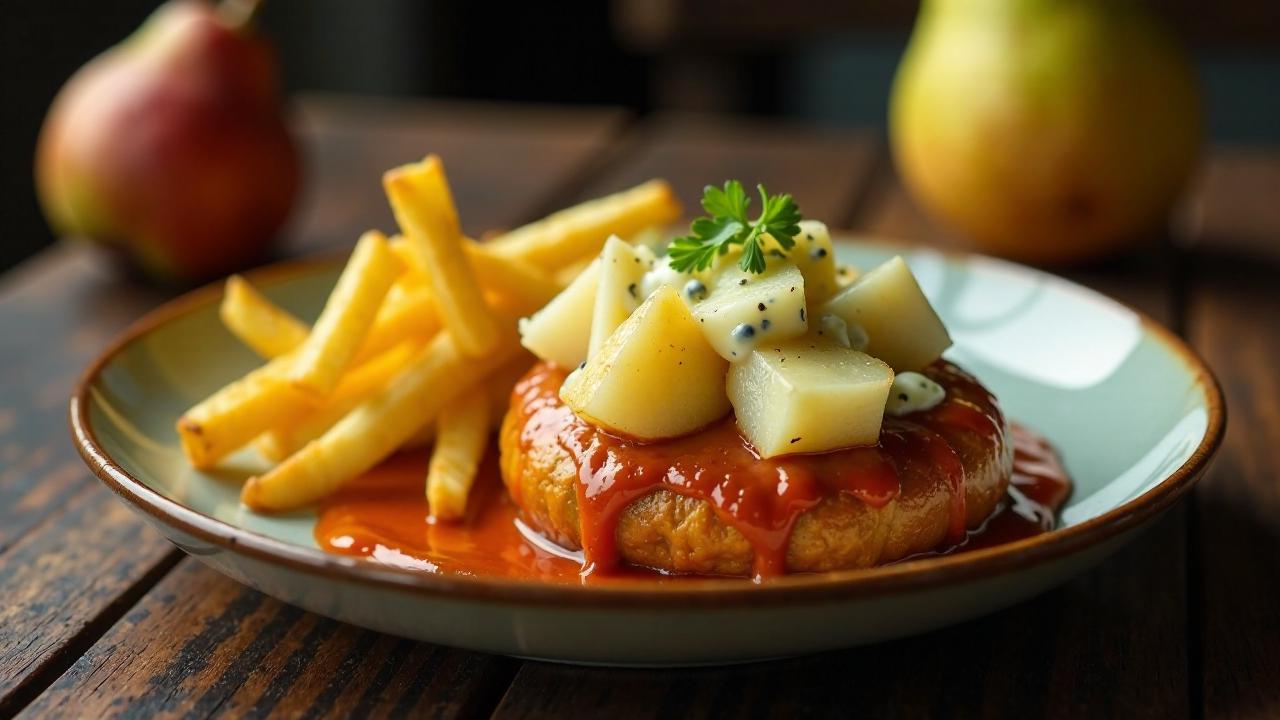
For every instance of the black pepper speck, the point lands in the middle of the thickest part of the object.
(743, 281)
(760, 307)
(764, 324)
(795, 440)
(819, 253)
(902, 397)
(743, 331)
(632, 289)
(801, 314)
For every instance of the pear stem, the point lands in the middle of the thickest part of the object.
(239, 15)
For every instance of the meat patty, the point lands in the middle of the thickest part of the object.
(680, 533)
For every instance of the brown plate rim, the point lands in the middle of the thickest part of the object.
(914, 575)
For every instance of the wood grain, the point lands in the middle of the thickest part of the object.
(1111, 643)
(200, 644)
(823, 169)
(1234, 315)
(504, 162)
(59, 310)
(65, 582)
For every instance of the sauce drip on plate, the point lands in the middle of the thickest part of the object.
(383, 514)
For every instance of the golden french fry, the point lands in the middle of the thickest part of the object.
(570, 235)
(231, 417)
(511, 283)
(347, 316)
(354, 388)
(265, 327)
(407, 312)
(376, 427)
(498, 387)
(462, 431)
(423, 206)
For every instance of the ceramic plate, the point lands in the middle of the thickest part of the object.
(1135, 414)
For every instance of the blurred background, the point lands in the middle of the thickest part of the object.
(816, 61)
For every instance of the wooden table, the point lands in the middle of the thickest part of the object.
(99, 615)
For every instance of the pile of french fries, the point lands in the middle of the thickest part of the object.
(416, 344)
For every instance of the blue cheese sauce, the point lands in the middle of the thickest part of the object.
(912, 392)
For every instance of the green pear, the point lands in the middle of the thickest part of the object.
(171, 149)
(1049, 131)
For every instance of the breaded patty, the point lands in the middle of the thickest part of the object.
(680, 533)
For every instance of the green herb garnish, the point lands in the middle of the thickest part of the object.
(728, 225)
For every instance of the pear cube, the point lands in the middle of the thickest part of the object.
(561, 331)
(808, 396)
(622, 269)
(654, 377)
(746, 310)
(902, 327)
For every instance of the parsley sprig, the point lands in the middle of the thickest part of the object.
(727, 225)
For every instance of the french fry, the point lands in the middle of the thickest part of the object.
(513, 284)
(408, 311)
(462, 431)
(259, 323)
(423, 206)
(498, 387)
(356, 387)
(231, 417)
(376, 427)
(347, 316)
(570, 235)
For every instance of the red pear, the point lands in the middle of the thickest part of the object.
(171, 148)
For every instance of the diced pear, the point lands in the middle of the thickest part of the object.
(809, 396)
(622, 267)
(654, 377)
(745, 310)
(560, 331)
(902, 327)
(814, 254)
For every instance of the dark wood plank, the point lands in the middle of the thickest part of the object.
(823, 169)
(504, 161)
(66, 582)
(200, 644)
(1234, 316)
(60, 309)
(1111, 643)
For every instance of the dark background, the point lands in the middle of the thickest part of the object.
(813, 60)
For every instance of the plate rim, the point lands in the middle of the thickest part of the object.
(919, 574)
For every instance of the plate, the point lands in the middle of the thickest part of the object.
(1134, 412)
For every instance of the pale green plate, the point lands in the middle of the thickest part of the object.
(1134, 412)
